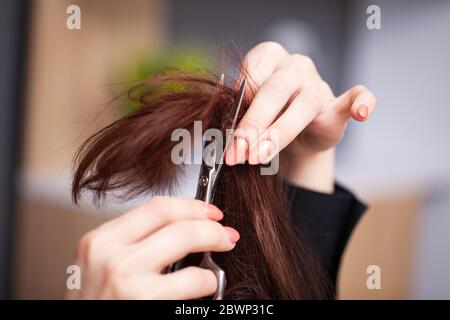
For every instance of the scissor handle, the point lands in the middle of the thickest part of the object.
(208, 263)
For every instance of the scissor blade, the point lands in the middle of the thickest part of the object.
(237, 105)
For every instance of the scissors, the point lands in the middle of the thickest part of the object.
(212, 163)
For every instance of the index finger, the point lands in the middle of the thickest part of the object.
(259, 64)
(155, 214)
(261, 61)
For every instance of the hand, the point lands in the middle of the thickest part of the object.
(293, 100)
(314, 119)
(125, 258)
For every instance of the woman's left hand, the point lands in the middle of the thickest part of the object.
(292, 98)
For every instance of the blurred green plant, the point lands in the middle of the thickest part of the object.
(146, 65)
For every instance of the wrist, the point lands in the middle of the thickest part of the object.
(312, 169)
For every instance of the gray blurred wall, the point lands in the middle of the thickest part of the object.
(406, 143)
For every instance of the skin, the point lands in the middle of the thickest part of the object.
(125, 258)
(309, 127)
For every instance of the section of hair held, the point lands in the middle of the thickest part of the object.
(133, 156)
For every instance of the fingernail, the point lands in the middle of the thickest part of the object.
(212, 212)
(231, 155)
(253, 153)
(363, 111)
(253, 156)
(233, 234)
(241, 149)
(264, 151)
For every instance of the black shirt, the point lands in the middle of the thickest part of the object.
(325, 222)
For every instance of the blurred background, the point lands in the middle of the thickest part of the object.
(57, 86)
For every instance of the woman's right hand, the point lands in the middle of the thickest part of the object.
(125, 258)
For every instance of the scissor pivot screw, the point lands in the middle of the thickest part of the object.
(204, 181)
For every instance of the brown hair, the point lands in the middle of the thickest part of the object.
(133, 155)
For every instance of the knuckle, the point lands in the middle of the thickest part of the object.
(277, 86)
(302, 61)
(358, 89)
(216, 233)
(283, 80)
(158, 205)
(273, 86)
(245, 131)
(158, 202)
(324, 87)
(251, 121)
(87, 246)
(271, 46)
(206, 279)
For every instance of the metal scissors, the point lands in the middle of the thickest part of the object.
(212, 163)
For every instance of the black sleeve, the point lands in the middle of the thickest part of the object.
(325, 222)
